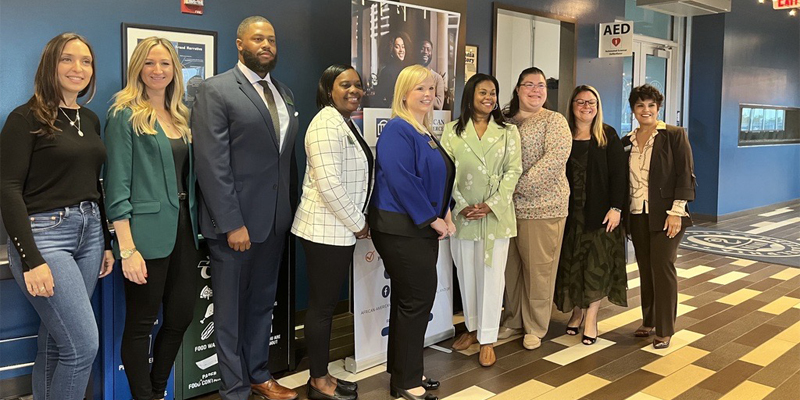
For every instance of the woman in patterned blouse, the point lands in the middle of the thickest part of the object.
(541, 202)
(661, 176)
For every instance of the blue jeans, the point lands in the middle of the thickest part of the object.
(71, 241)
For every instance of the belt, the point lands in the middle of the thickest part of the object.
(183, 196)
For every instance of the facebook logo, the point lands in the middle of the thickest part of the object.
(385, 292)
(380, 123)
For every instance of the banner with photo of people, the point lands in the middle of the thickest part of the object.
(387, 36)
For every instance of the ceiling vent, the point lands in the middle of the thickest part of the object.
(686, 8)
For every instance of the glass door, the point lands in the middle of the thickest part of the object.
(651, 63)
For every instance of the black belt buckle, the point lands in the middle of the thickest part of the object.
(182, 196)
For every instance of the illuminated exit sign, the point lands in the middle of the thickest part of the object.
(784, 4)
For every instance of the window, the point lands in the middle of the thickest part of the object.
(763, 125)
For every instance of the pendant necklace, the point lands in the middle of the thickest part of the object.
(76, 123)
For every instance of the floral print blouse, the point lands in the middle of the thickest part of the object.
(543, 190)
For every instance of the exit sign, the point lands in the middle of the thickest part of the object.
(784, 4)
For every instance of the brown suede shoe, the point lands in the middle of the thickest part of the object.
(273, 391)
(487, 357)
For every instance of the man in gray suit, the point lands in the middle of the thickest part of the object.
(244, 128)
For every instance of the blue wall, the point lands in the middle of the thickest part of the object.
(705, 102)
(761, 65)
(758, 51)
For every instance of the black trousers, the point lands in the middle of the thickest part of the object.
(411, 264)
(656, 255)
(171, 282)
(328, 268)
(245, 284)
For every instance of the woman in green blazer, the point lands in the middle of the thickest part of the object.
(488, 164)
(150, 198)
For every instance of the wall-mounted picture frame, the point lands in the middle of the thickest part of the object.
(196, 48)
(470, 61)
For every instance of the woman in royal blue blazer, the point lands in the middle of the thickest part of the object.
(408, 214)
(150, 198)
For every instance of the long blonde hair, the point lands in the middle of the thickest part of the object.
(134, 95)
(408, 78)
(597, 124)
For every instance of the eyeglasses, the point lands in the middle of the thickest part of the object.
(581, 102)
(531, 85)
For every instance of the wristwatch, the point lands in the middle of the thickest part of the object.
(127, 253)
(616, 209)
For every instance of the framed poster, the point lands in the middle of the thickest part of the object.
(197, 50)
(470, 61)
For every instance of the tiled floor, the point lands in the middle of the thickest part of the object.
(738, 338)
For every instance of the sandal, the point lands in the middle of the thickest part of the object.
(573, 330)
(588, 340)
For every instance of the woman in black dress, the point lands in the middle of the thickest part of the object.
(592, 264)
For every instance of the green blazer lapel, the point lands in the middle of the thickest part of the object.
(170, 178)
(470, 136)
(492, 137)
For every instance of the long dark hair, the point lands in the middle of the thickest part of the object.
(512, 108)
(389, 49)
(325, 86)
(46, 89)
(468, 98)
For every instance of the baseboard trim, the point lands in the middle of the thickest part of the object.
(13, 388)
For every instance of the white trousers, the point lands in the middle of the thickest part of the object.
(481, 286)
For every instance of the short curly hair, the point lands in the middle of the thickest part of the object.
(645, 92)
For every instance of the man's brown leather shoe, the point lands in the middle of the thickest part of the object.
(273, 391)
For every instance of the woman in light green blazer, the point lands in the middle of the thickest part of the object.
(486, 152)
(150, 198)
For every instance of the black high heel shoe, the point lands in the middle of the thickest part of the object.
(588, 340)
(430, 384)
(395, 393)
(573, 330)
(340, 393)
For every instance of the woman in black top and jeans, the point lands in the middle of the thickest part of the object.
(50, 157)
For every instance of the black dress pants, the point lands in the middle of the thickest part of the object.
(411, 264)
(328, 268)
(656, 255)
(171, 282)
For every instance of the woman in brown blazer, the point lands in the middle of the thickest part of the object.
(661, 182)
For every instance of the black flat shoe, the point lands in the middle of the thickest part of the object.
(402, 393)
(346, 385)
(430, 384)
(338, 394)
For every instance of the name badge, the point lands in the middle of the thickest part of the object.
(432, 143)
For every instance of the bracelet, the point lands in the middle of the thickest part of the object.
(616, 209)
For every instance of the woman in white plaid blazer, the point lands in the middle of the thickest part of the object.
(330, 218)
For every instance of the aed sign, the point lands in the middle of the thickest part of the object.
(616, 39)
(784, 4)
